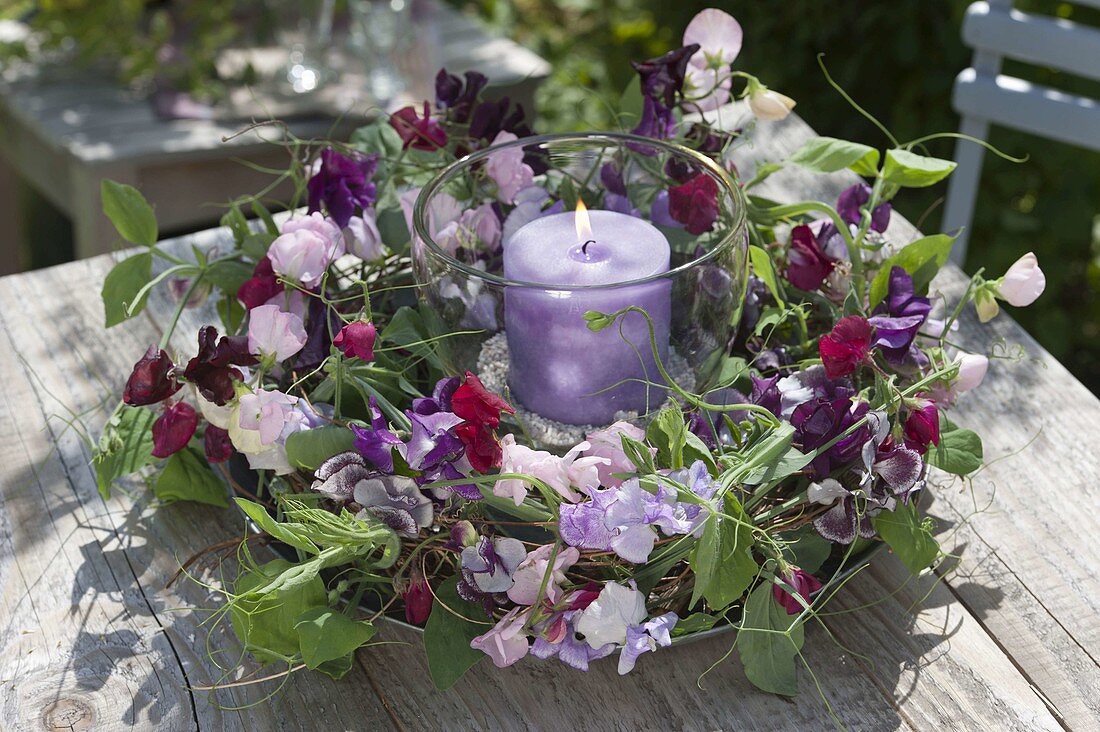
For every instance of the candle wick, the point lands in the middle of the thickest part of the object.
(584, 247)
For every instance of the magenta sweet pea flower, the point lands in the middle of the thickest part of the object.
(356, 340)
(152, 379)
(274, 334)
(695, 203)
(261, 287)
(807, 263)
(804, 584)
(846, 347)
(852, 200)
(174, 429)
(418, 132)
(922, 426)
(418, 600)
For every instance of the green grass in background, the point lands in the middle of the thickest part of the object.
(898, 58)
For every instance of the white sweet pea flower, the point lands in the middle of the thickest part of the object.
(770, 105)
(607, 618)
(1023, 282)
(972, 369)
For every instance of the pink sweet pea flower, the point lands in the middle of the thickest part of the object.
(362, 238)
(173, 429)
(972, 369)
(274, 334)
(507, 169)
(506, 642)
(608, 444)
(1023, 282)
(719, 36)
(356, 340)
(529, 574)
(560, 473)
(306, 248)
(265, 413)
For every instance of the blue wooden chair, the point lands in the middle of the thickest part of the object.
(983, 96)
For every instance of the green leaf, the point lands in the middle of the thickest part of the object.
(768, 642)
(722, 559)
(309, 448)
(255, 245)
(694, 623)
(908, 535)
(378, 137)
(393, 229)
(128, 210)
(696, 449)
(922, 259)
(234, 220)
(288, 533)
(764, 268)
(807, 549)
(668, 433)
(447, 637)
(909, 170)
(188, 477)
(631, 102)
(326, 635)
(828, 155)
(123, 285)
(265, 623)
(407, 330)
(959, 452)
(228, 275)
(125, 446)
(638, 453)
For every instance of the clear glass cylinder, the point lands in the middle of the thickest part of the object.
(667, 233)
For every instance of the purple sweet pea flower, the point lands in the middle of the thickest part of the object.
(612, 179)
(490, 118)
(491, 563)
(376, 442)
(803, 583)
(649, 636)
(620, 204)
(659, 213)
(898, 319)
(847, 518)
(458, 98)
(657, 121)
(433, 440)
(852, 199)
(560, 639)
(662, 78)
(396, 501)
(440, 400)
(818, 421)
(342, 184)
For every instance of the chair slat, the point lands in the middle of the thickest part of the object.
(1036, 39)
(1010, 102)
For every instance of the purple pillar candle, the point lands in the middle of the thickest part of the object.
(559, 368)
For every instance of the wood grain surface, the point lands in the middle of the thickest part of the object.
(1007, 638)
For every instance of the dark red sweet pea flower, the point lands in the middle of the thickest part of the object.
(211, 370)
(174, 429)
(807, 263)
(482, 447)
(804, 584)
(343, 184)
(695, 203)
(217, 445)
(356, 340)
(419, 133)
(922, 426)
(476, 404)
(418, 600)
(846, 347)
(152, 380)
(261, 286)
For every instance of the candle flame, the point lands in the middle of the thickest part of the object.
(582, 222)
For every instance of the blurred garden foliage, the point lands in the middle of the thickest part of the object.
(898, 58)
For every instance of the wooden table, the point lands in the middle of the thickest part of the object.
(1006, 639)
(65, 131)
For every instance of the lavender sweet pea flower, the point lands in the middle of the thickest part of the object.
(649, 636)
(530, 203)
(852, 199)
(506, 643)
(342, 184)
(396, 501)
(569, 649)
(376, 442)
(659, 214)
(433, 440)
(620, 204)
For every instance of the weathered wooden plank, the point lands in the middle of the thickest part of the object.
(89, 634)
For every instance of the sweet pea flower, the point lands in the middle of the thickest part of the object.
(418, 599)
(477, 229)
(985, 303)
(506, 643)
(442, 210)
(173, 429)
(337, 477)
(212, 370)
(662, 78)
(559, 638)
(418, 132)
(608, 444)
(846, 347)
(808, 265)
(1023, 282)
(305, 249)
(606, 620)
(457, 97)
(695, 203)
(707, 89)
(972, 370)
(396, 501)
(376, 441)
(530, 205)
(262, 287)
(922, 426)
(342, 184)
(152, 379)
(560, 473)
(259, 424)
(528, 577)
(273, 334)
(362, 238)
(649, 636)
(474, 403)
(507, 169)
(356, 340)
(490, 564)
(718, 35)
(216, 444)
(803, 583)
(768, 105)
(853, 198)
